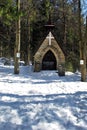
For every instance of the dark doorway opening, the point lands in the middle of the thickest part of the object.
(49, 61)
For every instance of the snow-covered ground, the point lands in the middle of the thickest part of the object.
(41, 101)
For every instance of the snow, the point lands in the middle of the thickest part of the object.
(42, 101)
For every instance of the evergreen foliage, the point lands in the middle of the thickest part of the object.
(35, 15)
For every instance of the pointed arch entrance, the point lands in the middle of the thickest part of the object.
(49, 61)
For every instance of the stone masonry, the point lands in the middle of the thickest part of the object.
(44, 48)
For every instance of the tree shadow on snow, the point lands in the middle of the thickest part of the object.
(38, 112)
(42, 77)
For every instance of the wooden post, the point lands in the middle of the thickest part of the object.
(17, 44)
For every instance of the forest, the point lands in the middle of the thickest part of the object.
(68, 18)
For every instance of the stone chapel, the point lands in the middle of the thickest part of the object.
(49, 56)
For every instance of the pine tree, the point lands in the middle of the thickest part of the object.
(17, 44)
(82, 47)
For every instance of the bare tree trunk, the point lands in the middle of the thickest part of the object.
(29, 50)
(64, 23)
(82, 46)
(85, 49)
(86, 39)
(17, 45)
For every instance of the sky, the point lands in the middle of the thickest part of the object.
(84, 7)
(42, 100)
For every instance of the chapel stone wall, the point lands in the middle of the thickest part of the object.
(56, 50)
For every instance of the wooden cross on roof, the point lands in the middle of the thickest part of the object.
(50, 37)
